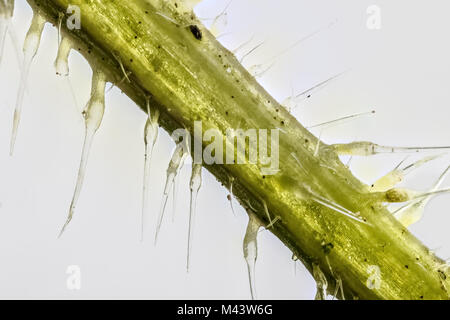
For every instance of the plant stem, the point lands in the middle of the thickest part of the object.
(191, 79)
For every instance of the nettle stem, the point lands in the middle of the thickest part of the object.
(170, 56)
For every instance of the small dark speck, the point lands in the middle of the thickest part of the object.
(264, 177)
(421, 297)
(406, 266)
(176, 5)
(140, 22)
(131, 60)
(135, 37)
(146, 12)
(226, 112)
(232, 97)
(282, 122)
(327, 248)
(196, 32)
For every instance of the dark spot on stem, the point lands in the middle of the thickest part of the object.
(327, 248)
(196, 32)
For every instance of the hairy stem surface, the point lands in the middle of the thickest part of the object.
(191, 77)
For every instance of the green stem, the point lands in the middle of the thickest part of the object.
(191, 79)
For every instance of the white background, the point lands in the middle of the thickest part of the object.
(402, 71)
